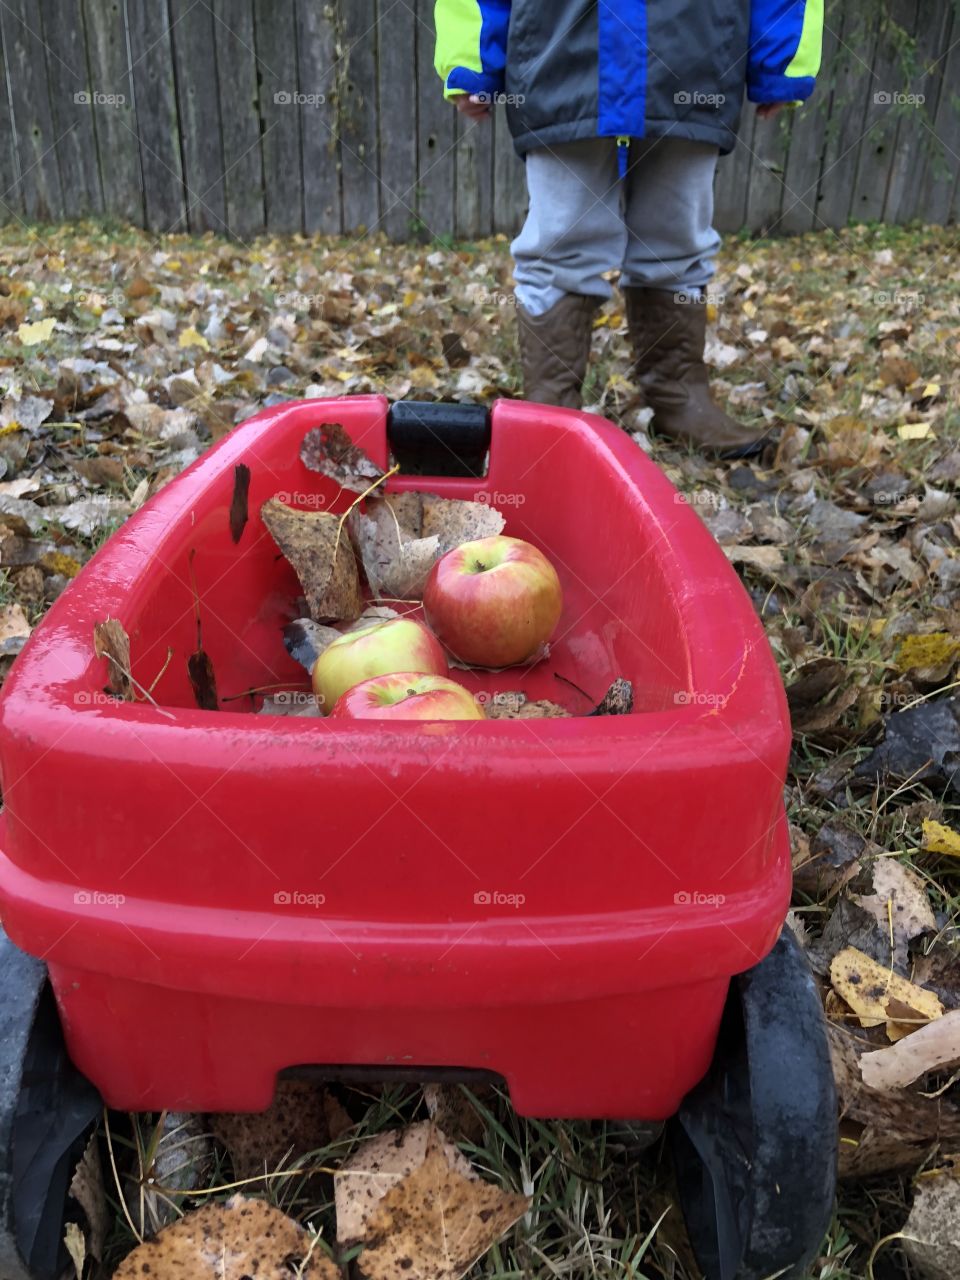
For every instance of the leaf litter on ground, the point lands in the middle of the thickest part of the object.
(817, 336)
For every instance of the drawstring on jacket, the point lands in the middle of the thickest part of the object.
(623, 154)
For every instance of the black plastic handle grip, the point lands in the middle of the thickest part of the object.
(423, 427)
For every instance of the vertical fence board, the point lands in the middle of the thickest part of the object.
(882, 122)
(910, 161)
(33, 124)
(398, 36)
(115, 127)
(195, 65)
(11, 203)
(277, 70)
(437, 134)
(733, 178)
(357, 101)
(239, 116)
(801, 179)
(852, 87)
(770, 146)
(151, 64)
(317, 49)
(509, 179)
(940, 176)
(72, 108)
(474, 193)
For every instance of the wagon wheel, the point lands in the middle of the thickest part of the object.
(755, 1143)
(46, 1111)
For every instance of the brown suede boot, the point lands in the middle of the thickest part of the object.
(555, 348)
(668, 339)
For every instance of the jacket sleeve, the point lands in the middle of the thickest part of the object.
(471, 45)
(786, 39)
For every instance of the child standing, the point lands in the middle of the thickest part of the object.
(620, 111)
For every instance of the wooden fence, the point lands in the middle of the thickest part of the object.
(326, 116)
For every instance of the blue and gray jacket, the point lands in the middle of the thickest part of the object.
(628, 68)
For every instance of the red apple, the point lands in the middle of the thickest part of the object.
(407, 695)
(493, 602)
(399, 644)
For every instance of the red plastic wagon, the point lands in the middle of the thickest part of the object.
(221, 896)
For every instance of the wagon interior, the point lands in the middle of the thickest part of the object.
(620, 617)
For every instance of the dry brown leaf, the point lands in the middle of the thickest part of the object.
(377, 1165)
(86, 1187)
(930, 1048)
(294, 1123)
(765, 558)
(436, 1223)
(395, 563)
(320, 552)
(338, 1118)
(111, 641)
(14, 629)
(931, 1234)
(329, 450)
(899, 904)
(517, 707)
(879, 1131)
(233, 1241)
(868, 988)
(452, 1111)
(455, 521)
(100, 470)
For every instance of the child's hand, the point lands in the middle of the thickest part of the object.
(473, 105)
(767, 110)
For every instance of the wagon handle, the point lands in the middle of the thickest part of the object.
(438, 438)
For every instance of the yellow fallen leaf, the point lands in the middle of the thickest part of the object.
(915, 431)
(9, 428)
(875, 994)
(931, 650)
(931, 389)
(749, 309)
(940, 839)
(191, 338)
(31, 335)
(60, 562)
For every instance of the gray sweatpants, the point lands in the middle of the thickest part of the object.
(655, 225)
